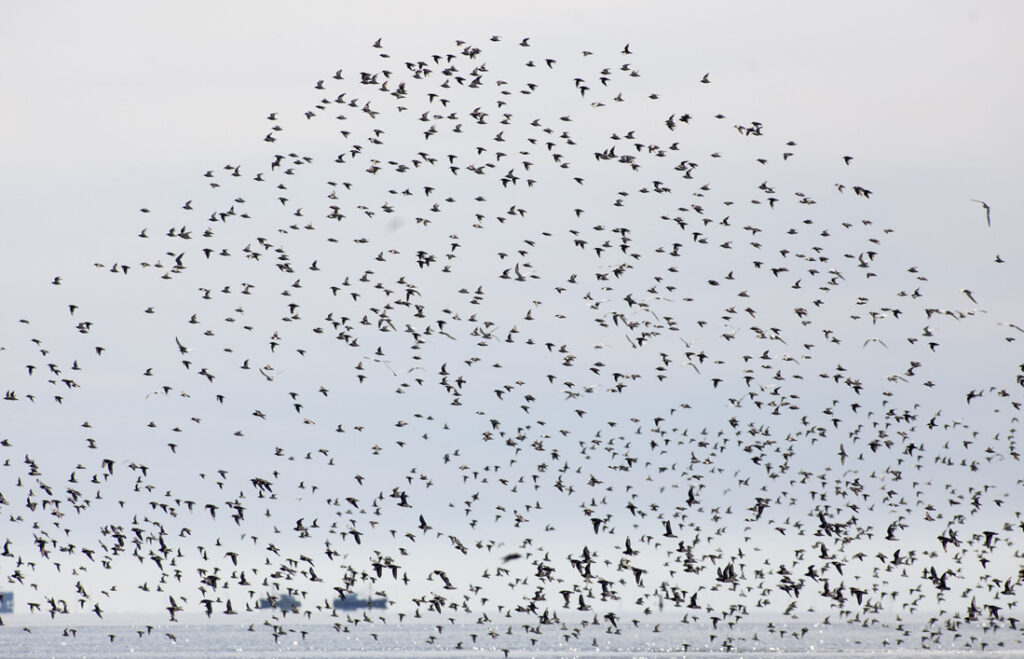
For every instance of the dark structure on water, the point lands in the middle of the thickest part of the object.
(351, 602)
(283, 602)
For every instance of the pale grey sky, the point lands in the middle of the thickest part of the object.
(113, 107)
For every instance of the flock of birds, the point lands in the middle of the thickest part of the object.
(507, 338)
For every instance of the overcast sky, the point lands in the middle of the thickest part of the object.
(116, 106)
(112, 100)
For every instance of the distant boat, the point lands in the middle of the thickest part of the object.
(282, 602)
(6, 602)
(351, 602)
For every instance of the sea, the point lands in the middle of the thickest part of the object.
(414, 640)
